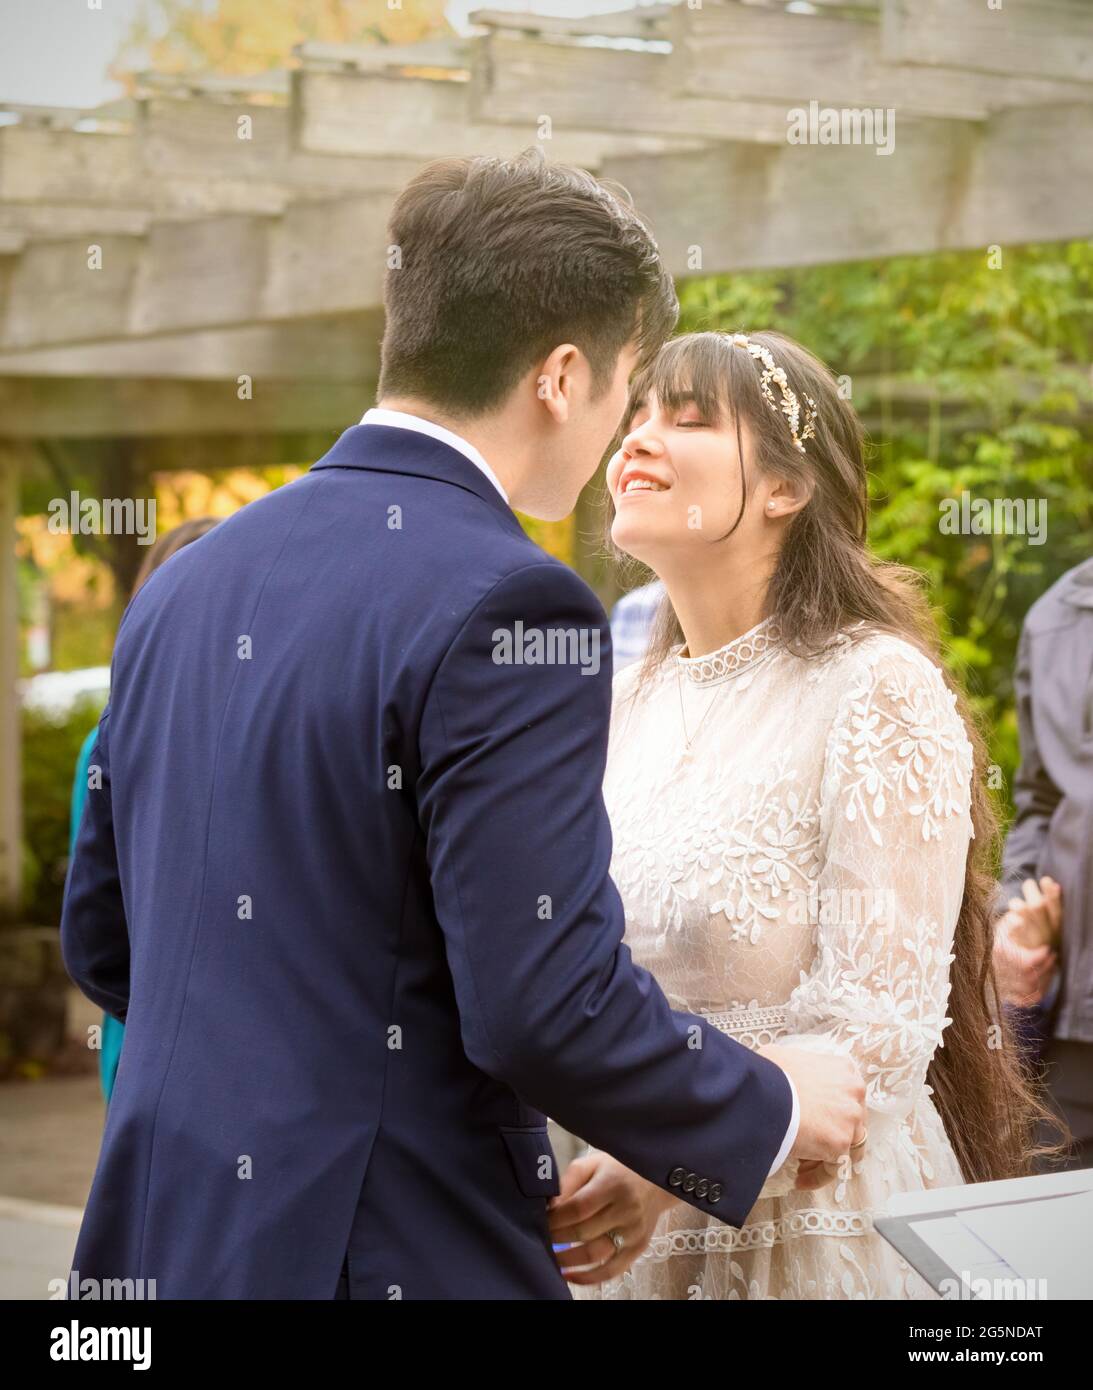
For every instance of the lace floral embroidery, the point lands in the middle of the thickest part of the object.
(903, 740)
(898, 768)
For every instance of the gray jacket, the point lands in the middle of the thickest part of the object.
(1053, 792)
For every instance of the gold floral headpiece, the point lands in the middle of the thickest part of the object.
(791, 406)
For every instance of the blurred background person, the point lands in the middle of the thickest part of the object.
(632, 620)
(1044, 939)
(167, 545)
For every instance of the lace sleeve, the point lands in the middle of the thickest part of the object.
(895, 826)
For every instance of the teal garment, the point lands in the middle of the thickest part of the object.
(112, 1030)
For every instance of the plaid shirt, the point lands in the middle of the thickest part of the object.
(632, 623)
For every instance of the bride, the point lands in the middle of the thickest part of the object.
(802, 838)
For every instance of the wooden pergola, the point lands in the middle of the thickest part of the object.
(154, 251)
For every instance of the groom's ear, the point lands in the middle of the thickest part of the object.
(556, 379)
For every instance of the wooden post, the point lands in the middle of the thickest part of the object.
(11, 820)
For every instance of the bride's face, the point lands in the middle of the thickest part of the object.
(675, 481)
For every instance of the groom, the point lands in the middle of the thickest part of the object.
(343, 871)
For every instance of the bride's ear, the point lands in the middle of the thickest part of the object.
(785, 496)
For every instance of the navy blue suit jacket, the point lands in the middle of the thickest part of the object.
(346, 883)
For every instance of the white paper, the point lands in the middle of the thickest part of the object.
(962, 1251)
(1050, 1240)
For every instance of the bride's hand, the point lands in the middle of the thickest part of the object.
(812, 1174)
(599, 1196)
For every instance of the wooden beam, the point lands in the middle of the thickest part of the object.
(1034, 38)
(42, 221)
(111, 115)
(319, 258)
(1025, 176)
(642, 21)
(34, 408)
(11, 779)
(328, 258)
(335, 348)
(183, 159)
(373, 113)
(200, 140)
(187, 136)
(384, 57)
(212, 270)
(226, 85)
(54, 296)
(864, 7)
(516, 79)
(738, 52)
(183, 274)
(1032, 178)
(67, 166)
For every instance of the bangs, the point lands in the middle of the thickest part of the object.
(698, 368)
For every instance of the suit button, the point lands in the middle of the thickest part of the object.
(689, 1182)
(676, 1176)
(703, 1187)
(715, 1192)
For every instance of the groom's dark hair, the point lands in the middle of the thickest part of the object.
(499, 261)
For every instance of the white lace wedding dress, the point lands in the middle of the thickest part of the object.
(794, 874)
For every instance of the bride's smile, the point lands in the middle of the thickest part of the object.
(691, 502)
(634, 480)
(688, 462)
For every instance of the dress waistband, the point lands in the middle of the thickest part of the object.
(752, 1025)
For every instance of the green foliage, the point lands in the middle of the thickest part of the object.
(995, 399)
(51, 746)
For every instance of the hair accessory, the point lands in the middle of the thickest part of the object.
(791, 406)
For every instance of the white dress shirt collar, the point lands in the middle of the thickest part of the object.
(399, 419)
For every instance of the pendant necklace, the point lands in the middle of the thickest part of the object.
(689, 740)
(729, 678)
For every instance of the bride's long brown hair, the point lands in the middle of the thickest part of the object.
(825, 581)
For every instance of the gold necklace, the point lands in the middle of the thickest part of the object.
(682, 714)
(722, 682)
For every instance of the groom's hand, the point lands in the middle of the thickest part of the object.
(605, 1216)
(831, 1094)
